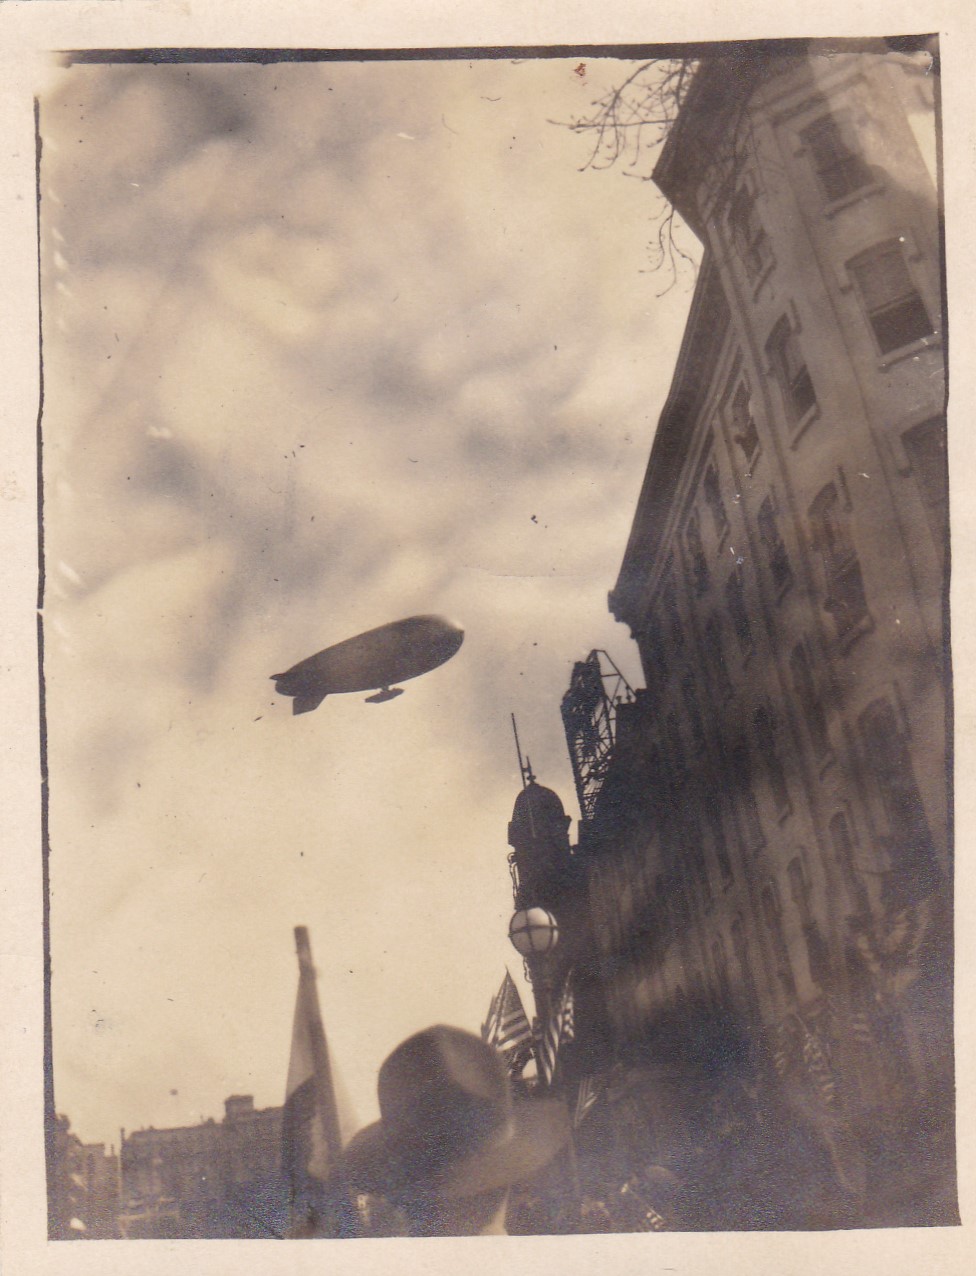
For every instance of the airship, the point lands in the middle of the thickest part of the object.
(372, 661)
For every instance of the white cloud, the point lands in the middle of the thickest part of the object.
(346, 370)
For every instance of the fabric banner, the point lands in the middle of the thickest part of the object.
(311, 1139)
(559, 1029)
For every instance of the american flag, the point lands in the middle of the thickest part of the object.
(559, 1028)
(783, 1044)
(651, 1220)
(507, 1028)
(818, 1066)
(589, 1092)
(861, 1028)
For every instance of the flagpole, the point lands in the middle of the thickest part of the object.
(324, 1087)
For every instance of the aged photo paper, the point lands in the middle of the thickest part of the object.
(475, 556)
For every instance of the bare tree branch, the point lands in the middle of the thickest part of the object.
(627, 126)
(631, 121)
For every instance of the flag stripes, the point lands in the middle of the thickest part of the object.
(653, 1221)
(861, 1028)
(559, 1029)
(589, 1092)
(818, 1066)
(507, 1028)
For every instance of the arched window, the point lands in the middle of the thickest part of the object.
(831, 533)
(790, 369)
(840, 169)
(892, 303)
(910, 840)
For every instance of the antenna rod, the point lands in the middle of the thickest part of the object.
(518, 750)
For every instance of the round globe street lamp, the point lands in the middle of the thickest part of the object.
(534, 932)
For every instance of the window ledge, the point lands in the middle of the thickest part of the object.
(912, 350)
(751, 462)
(854, 197)
(784, 589)
(756, 281)
(825, 762)
(800, 428)
(865, 625)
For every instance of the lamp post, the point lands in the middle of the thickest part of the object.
(534, 933)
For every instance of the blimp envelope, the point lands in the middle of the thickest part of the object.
(372, 661)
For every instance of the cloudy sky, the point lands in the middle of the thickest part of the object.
(324, 346)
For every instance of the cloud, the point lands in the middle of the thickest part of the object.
(306, 376)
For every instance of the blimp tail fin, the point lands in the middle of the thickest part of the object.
(305, 703)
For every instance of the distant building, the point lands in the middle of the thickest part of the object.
(210, 1180)
(87, 1192)
(767, 833)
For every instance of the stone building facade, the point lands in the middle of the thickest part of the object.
(216, 1179)
(772, 834)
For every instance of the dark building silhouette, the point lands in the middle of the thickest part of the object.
(86, 1190)
(765, 835)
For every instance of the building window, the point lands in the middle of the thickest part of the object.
(735, 600)
(765, 731)
(745, 435)
(773, 914)
(713, 499)
(752, 829)
(893, 305)
(818, 954)
(720, 846)
(910, 845)
(925, 446)
(843, 844)
(715, 655)
(654, 654)
(809, 701)
(696, 553)
(749, 238)
(662, 913)
(669, 597)
(695, 851)
(680, 908)
(840, 169)
(830, 528)
(790, 369)
(693, 710)
(721, 964)
(773, 547)
(740, 944)
(676, 751)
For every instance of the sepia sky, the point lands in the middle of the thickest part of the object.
(325, 345)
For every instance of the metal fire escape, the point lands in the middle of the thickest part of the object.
(589, 709)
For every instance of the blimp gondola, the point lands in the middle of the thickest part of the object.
(372, 661)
